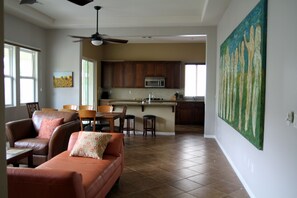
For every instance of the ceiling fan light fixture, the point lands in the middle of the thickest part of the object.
(81, 2)
(96, 42)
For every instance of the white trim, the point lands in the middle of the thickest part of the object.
(247, 188)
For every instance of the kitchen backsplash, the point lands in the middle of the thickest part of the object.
(134, 93)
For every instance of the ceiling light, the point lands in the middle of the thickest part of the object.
(96, 42)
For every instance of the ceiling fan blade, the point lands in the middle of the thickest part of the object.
(28, 1)
(81, 2)
(80, 37)
(113, 40)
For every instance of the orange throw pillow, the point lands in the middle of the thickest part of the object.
(48, 126)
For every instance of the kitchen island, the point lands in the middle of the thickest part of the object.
(163, 110)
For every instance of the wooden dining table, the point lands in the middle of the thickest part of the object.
(110, 117)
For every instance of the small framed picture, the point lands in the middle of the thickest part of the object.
(63, 79)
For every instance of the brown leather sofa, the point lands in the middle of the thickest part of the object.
(23, 133)
(70, 177)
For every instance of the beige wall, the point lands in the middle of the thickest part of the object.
(187, 52)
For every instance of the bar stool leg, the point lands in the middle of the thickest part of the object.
(128, 127)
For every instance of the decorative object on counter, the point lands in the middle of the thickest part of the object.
(242, 76)
(130, 118)
(63, 79)
(149, 124)
(105, 95)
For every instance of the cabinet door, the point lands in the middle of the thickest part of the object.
(149, 69)
(191, 113)
(139, 74)
(173, 74)
(106, 74)
(117, 75)
(160, 69)
(129, 75)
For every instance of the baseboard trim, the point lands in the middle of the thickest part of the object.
(247, 188)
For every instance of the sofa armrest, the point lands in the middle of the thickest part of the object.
(45, 183)
(19, 129)
(60, 137)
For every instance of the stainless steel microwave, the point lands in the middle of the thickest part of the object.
(154, 82)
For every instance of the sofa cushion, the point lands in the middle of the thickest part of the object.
(48, 126)
(90, 144)
(39, 146)
(38, 116)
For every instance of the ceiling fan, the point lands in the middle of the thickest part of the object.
(81, 2)
(28, 1)
(99, 39)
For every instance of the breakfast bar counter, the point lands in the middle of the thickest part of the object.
(163, 110)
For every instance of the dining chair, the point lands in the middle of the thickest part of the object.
(85, 107)
(87, 119)
(47, 109)
(120, 127)
(31, 107)
(105, 108)
(70, 106)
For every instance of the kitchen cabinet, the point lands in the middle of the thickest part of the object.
(189, 113)
(131, 74)
(106, 74)
(139, 75)
(118, 75)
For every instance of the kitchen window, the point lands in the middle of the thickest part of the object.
(195, 80)
(20, 75)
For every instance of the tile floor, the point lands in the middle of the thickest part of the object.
(185, 165)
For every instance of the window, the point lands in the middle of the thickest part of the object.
(20, 74)
(195, 80)
(87, 82)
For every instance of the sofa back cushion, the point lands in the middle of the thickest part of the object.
(38, 116)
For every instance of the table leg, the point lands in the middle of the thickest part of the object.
(111, 125)
(30, 160)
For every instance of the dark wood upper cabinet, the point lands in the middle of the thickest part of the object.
(139, 75)
(131, 74)
(118, 75)
(106, 74)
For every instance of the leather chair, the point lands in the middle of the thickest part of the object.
(23, 133)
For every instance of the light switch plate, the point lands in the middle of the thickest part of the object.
(295, 120)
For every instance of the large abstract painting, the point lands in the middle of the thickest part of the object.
(242, 76)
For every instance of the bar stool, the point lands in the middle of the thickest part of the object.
(129, 128)
(152, 127)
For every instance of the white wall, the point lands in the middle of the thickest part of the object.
(21, 32)
(271, 172)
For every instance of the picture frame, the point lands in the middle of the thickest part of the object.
(62, 79)
(242, 76)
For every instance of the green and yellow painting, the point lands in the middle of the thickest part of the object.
(242, 76)
(63, 79)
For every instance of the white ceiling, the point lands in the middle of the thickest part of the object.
(123, 13)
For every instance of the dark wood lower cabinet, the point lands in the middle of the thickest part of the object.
(189, 113)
